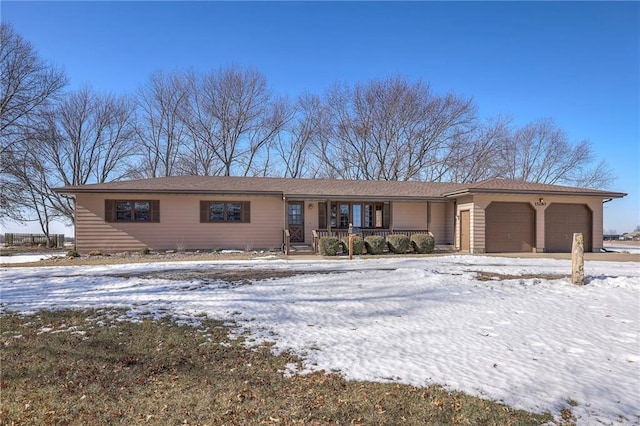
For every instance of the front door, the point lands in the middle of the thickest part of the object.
(295, 219)
(465, 231)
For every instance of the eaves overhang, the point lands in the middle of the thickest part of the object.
(75, 190)
(368, 197)
(473, 191)
(290, 196)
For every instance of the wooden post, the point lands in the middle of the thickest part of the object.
(287, 242)
(351, 236)
(577, 259)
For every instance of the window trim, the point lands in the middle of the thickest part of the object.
(375, 206)
(111, 210)
(205, 211)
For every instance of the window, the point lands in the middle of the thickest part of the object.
(295, 213)
(360, 215)
(216, 212)
(225, 211)
(333, 214)
(234, 212)
(357, 215)
(344, 215)
(368, 216)
(123, 211)
(132, 211)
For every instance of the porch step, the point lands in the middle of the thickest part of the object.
(301, 249)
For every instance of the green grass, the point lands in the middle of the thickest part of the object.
(90, 367)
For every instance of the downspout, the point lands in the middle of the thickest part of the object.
(75, 226)
(457, 243)
(284, 223)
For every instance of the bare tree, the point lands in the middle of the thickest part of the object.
(472, 156)
(391, 130)
(86, 138)
(27, 85)
(233, 114)
(202, 126)
(542, 152)
(292, 147)
(159, 126)
(35, 195)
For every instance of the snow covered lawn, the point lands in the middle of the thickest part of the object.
(27, 257)
(536, 344)
(622, 247)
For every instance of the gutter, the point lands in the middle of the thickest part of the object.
(162, 191)
(345, 197)
(351, 198)
(610, 195)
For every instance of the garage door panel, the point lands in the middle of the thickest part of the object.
(562, 221)
(509, 227)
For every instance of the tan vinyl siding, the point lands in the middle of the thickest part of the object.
(311, 219)
(477, 231)
(540, 226)
(450, 224)
(597, 223)
(409, 215)
(179, 225)
(460, 208)
(441, 228)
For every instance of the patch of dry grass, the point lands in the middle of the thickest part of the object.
(494, 276)
(136, 257)
(72, 367)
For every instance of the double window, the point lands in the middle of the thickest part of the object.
(360, 215)
(132, 210)
(225, 211)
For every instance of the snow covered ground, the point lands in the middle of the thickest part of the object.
(533, 343)
(27, 257)
(621, 247)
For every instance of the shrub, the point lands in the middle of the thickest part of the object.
(73, 253)
(423, 243)
(145, 251)
(358, 245)
(329, 246)
(398, 243)
(375, 244)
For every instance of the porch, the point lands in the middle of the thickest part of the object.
(288, 247)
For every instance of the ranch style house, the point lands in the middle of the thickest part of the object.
(203, 212)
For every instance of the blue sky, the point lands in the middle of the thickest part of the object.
(577, 62)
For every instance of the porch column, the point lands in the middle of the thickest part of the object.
(540, 206)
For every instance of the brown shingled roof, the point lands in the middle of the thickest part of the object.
(521, 187)
(323, 188)
(270, 186)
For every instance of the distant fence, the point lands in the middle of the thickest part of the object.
(31, 240)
